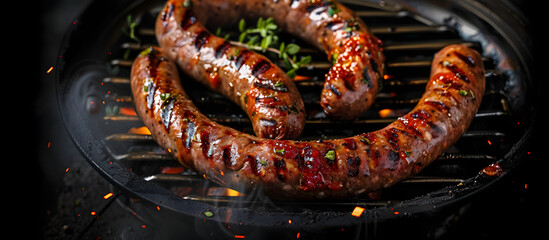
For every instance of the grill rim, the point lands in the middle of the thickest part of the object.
(97, 156)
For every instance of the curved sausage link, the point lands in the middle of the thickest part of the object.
(249, 79)
(352, 82)
(332, 168)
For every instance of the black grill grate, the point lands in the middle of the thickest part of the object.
(96, 105)
(409, 44)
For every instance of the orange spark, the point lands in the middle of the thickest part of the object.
(108, 195)
(140, 131)
(383, 113)
(128, 111)
(298, 78)
(239, 236)
(93, 213)
(49, 70)
(357, 212)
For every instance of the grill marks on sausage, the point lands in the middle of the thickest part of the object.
(241, 58)
(467, 59)
(166, 114)
(333, 89)
(201, 39)
(190, 131)
(280, 167)
(153, 73)
(459, 73)
(260, 67)
(222, 49)
(167, 13)
(354, 163)
(188, 20)
(227, 158)
(440, 106)
(205, 144)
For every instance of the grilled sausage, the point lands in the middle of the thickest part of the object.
(261, 88)
(358, 63)
(332, 168)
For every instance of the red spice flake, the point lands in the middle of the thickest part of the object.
(492, 170)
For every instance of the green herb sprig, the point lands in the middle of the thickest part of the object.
(264, 37)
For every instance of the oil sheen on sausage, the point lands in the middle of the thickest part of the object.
(350, 85)
(333, 168)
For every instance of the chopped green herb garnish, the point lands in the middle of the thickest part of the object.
(164, 96)
(408, 153)
(365, 140)
(279, 151)
(264, 37)
(330, 156)
(332, 10)
(208, 214)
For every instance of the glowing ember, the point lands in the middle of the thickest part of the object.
(141, 131)
(108, 195)
(383, 113)
(172, 170)
(93, 213)
(128, 111)
(357, 212)
(301, 78)
(239, 236)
